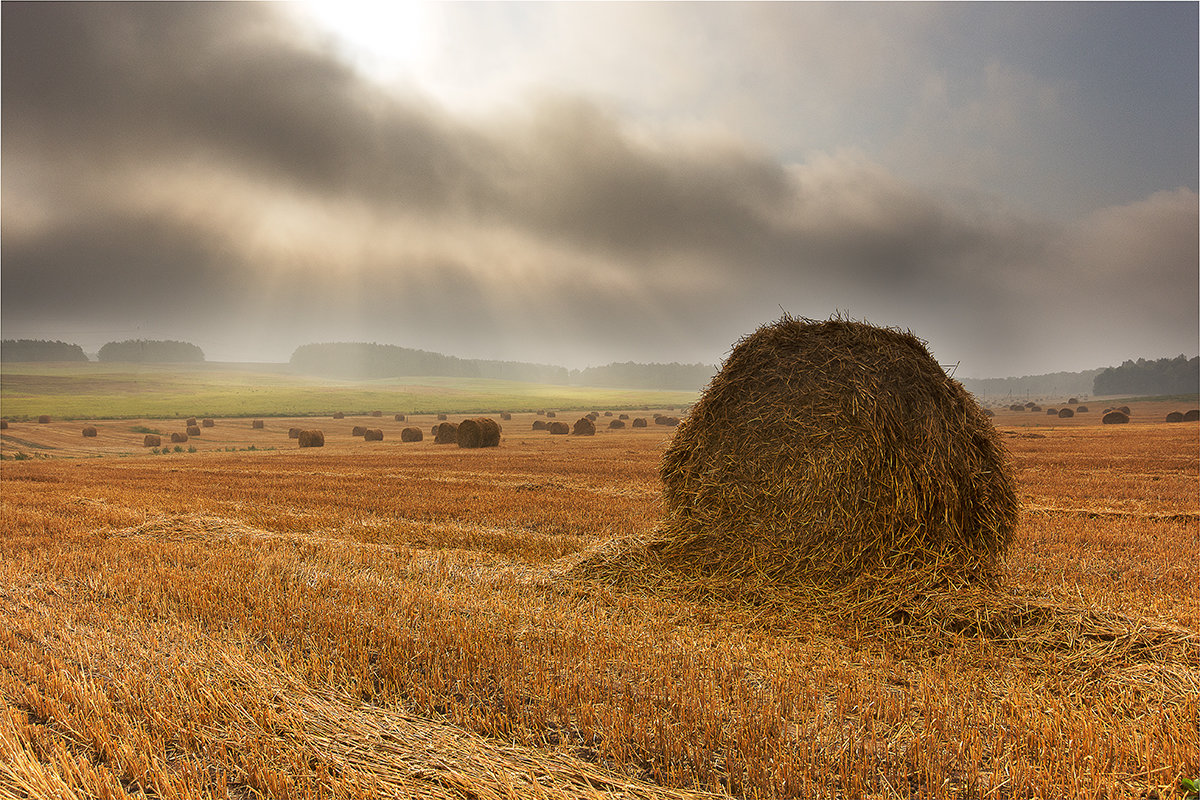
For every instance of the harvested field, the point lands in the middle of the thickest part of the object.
(396, 620)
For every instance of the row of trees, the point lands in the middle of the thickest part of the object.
(362, 360)
(138, 350)
(686, 377)
(40, 350)
(1179, 375)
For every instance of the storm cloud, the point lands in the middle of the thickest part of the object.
(211, 171)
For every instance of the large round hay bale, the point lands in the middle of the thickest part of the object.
(478, 432)
(615, 423)
(151, 440)
(293, 433)
(584, 426)
(1065, 413)
(1192, 415)
(207, 423)
(257, 424)
(559, 428)
(373, 435)
(540, 425)
(401, 418)
(178, 438)
(89, 431)
(411, 434)
(359, 430)
(339, 415)
(639, 422)
(1115, 418)
(193, 430)
(44, 419)
(1175, 416)
(823, 452)
(446, 433)
(311, 438)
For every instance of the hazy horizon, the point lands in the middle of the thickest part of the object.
(581, 184)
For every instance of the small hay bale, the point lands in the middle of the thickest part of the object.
(541, 412)
(1115, 418)
(1036, 409)
(615, 424)
(411, 434)
(191, 421)
(311, 438)
(1081, 409)
(639, 422)
(446, 433)
(1073, 401)
(584, 426)
(373, 435)
(90, 430)
(1016, 407)
(257, 424)
(1051, 412)
(478, 432)
(441, 417)
(987, 412)
(1031, 405)
(608, 413)
(1192, 416)
(339, 415)
(593, 416)
(151, 440)
(623, 416)
(836, 453)
(293, 433)
(43, 419)
(207, 423)
(3, 424)
(670, 422)
(359, 430)
(1065, 413)
(376, 413)
(1175, 416)
(505, 416)
(551, 414)
(1125, 410)
(559, 428)
(178, 438)
(193, 430)
(540, 425)
(401, 418)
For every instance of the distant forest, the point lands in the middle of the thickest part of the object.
(40, 350)
(686, 377)
(151, 351)
(360, 360)
(1179, 375)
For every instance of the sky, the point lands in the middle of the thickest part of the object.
(584, 183)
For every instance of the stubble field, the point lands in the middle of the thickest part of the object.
(378, 619)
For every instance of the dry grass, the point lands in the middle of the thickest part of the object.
(390, 621)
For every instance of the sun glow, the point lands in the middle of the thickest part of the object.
(387, 41)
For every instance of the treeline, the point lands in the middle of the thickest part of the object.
(151, 350)
(687, 377)
(1053, 384)
(360, 360)
(40, 350)
(1179, 375)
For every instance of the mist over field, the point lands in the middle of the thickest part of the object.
(582, 184)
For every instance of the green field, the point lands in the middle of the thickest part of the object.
(133, 391)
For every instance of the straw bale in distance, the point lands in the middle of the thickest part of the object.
(311, 438)
(505, 416)
(359, 430)
(446, 433)
(608, 413)
(339, 415)
(987, 412)
(400, 418)
(478, 432)
(552, 414)
(191, 421)
(178, 438)
(207, 423)
(584, 426)
(257, 424)
(373, 435)
(441, 417)
(44, 419)
(1065, 413)
(151, 440)
(615, 423)
(1051, 412)
(293, 433)
(1192, 415)
(1073, 401)
(1081, 409)
(540, 425)
(1175, 416)
(90, 430)
(376, 413)
(193, 430)
(1115, 418)
(3, 424)
(828, 452)
(639, 422)
(559, 428)
(411, 434)
(593, 416)
(623, 416)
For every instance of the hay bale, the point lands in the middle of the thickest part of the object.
(376, 413)
(829, 452)
(1174, 416)
(193, 430)
(623, 416)
(293, 433)
(478, 432)
(540, 425)
(1065, 413)
(1073, 401)
(339, 415)
(593, 416)
(987, 412)
(505, 416)
(1125, 410)
(670, 422)
(441, 417)
(1081, 409)
(190, 421)
(401, 418)
(3, 424)
(615, 424)
(359, 430)
(373, 435)
(1031, 405)
(311, 438)
(89, 431)
(257, 424)
(639, 422)
(1036, 409)
(1051, 412)
(1016, 407)
(1192, 416)
(551, 414)
(44, 419)
(446, 433)
(1115, 418)
(151, 440)
(608, 413)
(178, 438)
(411, 434)
(584, 426)
(207, 423)
(559, 428)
